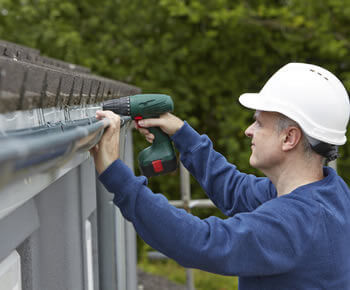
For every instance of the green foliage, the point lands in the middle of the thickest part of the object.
(203, 53)
(202, 280)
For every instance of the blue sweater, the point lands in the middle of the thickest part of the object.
(297, 241)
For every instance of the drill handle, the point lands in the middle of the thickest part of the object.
(160, 157)
(159, 135)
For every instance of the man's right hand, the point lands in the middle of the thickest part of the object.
(167, 122)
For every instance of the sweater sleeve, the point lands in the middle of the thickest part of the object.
(258, 243)
(230, 190)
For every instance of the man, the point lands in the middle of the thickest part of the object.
(290, 230)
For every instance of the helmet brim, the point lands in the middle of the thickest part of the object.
(256, 101)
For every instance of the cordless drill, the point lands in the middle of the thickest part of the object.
(160, 157)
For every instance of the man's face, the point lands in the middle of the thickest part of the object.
(266, 142)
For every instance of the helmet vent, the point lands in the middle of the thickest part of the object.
(319, 74)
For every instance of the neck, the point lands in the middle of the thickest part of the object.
(294, 173)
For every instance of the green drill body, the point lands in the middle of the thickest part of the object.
(159, 158)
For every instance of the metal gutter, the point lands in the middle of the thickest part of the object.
(28, 151)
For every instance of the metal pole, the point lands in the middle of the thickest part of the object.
(194, 203)
(130, 234)
(333, 164)
(186, 198)
(185, 186)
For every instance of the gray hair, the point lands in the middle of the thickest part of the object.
(311, 145)
(284, 122)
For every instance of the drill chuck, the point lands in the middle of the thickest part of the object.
(120, 106)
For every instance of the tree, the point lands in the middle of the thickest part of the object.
(203, 53)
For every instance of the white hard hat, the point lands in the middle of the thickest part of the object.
(308, 94)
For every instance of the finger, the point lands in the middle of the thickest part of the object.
(106, 114)
(93, 151)
(150, 139)
(143, 131)
(112, 130)
(99, 115)
(146, 123)
(148, 135)
(113, 118)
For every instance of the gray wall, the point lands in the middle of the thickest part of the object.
(49, 231)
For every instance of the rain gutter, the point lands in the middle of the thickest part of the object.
(37, 149)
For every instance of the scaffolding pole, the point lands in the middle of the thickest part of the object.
(186, 198)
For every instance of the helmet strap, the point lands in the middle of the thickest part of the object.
(329, 151)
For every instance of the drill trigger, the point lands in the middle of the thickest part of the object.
(137, 119)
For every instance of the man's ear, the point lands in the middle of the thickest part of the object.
(291, 138)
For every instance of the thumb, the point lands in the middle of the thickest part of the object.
(93, 151)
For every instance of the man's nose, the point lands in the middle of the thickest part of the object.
(249, 131)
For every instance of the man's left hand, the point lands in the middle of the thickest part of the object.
(107, 150)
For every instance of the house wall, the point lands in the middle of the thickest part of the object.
(59, 228)
(69, 235)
